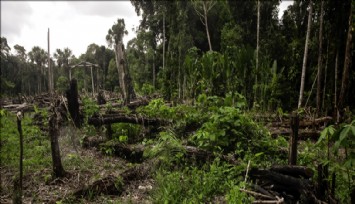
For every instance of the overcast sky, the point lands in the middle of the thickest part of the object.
(73, 24)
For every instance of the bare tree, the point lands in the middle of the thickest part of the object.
(303, 76)
(202, 8)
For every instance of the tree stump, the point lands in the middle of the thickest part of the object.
(73, 103)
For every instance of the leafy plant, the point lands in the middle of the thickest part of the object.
(194, 185)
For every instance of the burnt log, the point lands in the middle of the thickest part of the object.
(295, 171)
(119, 118)
(282, 183)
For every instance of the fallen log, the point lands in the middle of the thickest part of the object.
(295, 171)
(119, 118)
(283, 184)
(302, 123)
(24, 107)
(302, 134)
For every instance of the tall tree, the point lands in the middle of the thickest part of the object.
(347, 62)
(257, 51)
(320, 75)
(202, 9)
(39, 56)
(303, 76)
(114, 38)
(63, 58)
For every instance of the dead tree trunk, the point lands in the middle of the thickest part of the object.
(125, 80)
(73, 103)
(54, 133)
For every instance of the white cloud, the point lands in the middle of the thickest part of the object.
(283, 6)
(72, 24)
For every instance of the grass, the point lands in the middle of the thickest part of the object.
(37, 153)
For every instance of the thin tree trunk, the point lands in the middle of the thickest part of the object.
(320, 74)
(154, 69)
(163, 41)
(347, 62)
(303, 76)
(206, 25)
(18, 189)
(325, 78)
(336, 67)
(257, 52)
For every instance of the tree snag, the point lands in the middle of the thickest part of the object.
(73, 103)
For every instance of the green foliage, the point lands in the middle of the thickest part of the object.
(194, 185)
(168, 149)
(236, 196)
(36, 146)
(62, 84)
(340, 156)
(125, 132)
(226, 129)
(147, 89)
(90, 107)
(157, 108)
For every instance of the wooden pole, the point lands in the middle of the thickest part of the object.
(92, 82)
(50, 82)
(293, 140)
(18, 189)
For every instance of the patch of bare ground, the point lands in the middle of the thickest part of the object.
(84, 166)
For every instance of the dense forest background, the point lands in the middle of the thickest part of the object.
(186, 48)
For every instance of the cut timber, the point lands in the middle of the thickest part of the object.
(118, 118)
(112, 185)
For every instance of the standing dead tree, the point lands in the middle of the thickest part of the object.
(114, 38)
(73, 103)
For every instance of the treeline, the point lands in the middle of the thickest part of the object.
(187, 48)
(173, 53)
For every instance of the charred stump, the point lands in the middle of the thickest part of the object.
(53, 134)
(73, 103)
(293, 140)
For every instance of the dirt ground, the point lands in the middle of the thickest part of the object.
(84, 166)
